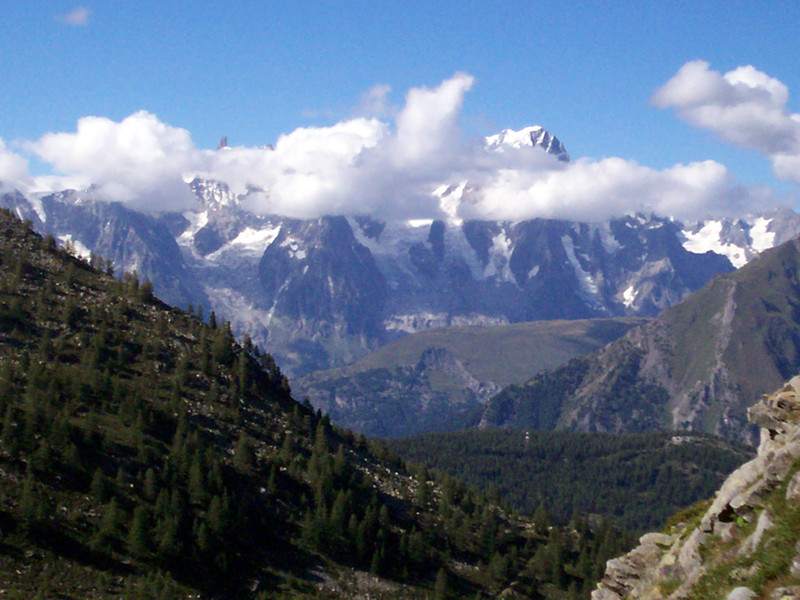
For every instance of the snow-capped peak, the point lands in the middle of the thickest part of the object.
(529, 136)
(213, 194)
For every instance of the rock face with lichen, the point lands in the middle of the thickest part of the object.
(745, 542)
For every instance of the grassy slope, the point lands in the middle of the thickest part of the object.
(503, 354)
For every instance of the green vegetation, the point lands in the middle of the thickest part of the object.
(536, 404)
(637, 480)
(769, 566)
(146, 454)
(622, 400)
(699, 365)
(503, 354)
(435, 380)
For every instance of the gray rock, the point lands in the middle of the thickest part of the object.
(786, 593)
(794, 568)
(740, 593)
(739, 498)
(751, 543)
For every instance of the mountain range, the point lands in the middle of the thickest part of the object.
(696, 366)
(436, 379)
(145, 454)
(322, 292)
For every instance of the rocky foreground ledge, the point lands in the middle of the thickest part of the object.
(744, 543)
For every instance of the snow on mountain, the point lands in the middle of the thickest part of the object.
(741, 239)
(762, 238)
(250, 241)
(529, 136)
(213, 194)
(709, 238)
(321, 292)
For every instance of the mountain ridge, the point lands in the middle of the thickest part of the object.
(693, 367)
(433, 379)
(253, 270)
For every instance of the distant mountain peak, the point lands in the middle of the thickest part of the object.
(532, 136)
(213, 194)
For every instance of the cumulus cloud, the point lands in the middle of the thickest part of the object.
(597, 190)
(139, 160)
(78, 17)
(13, 170)
(744, 106)
(392, 167)
(310, 171)
(426, 127)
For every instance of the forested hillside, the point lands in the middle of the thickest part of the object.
(145, 454)
(637, 480)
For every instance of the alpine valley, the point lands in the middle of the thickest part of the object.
(145, 453)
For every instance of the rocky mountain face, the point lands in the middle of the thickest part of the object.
(436, 394)
(322, 292)
(743, 543)
(132, 241)
(697, 366)
(433, 380)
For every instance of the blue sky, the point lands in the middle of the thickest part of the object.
(586, 71)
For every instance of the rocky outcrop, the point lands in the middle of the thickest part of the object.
(744, 542)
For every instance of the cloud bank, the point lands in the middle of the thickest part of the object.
(388, 161)
(744, 106)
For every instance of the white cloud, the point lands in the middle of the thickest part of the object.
(426, 127)
(310, 171)
(78, 17)
(375, 102)
(391, 167)
(745, 107)
(595, 190)
(139, 160)
(13, 170)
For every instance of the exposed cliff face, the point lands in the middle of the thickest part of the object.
(320, 293)
(745, 543)
(697, 366)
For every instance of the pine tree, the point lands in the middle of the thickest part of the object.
(109, 526)
(99, 487)
(441, 588)
(28, 504)
(150, 490)
(138, 533)
(197, 488)
(243, 456)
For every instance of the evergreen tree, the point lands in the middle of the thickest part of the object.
(441, 588)
(138, 533)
